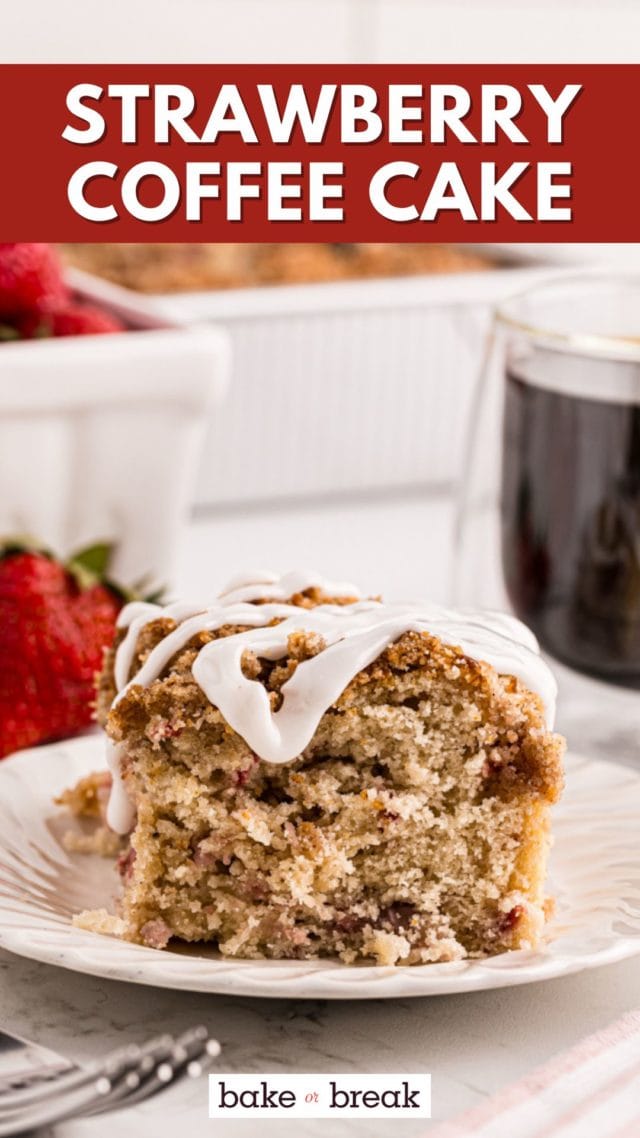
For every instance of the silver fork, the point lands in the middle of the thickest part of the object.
(38, 1087)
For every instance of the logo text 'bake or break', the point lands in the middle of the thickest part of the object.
(320, 1096)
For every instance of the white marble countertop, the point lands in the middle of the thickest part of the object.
(472, 1044)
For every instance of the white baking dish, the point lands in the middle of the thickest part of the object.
(346, 386)
(100, 435)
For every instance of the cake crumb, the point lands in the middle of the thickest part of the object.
(388, 948)
(100, 921)
(101, 841)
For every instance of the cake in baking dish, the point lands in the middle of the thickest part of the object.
(302, 773)
(180, 267)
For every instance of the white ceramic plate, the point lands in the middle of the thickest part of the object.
(595, 878)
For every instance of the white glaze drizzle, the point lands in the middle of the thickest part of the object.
(263, 585)
(134, 617)
(121, 814)
(354, 634)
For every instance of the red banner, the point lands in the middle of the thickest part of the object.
(319, 153)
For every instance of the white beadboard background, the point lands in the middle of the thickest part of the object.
(337, 399)
(511, 31)
(351, 387)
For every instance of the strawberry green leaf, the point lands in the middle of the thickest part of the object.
(88, 567)
(95, 559)
(158, 596)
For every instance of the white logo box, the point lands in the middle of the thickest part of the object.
(334, 1096)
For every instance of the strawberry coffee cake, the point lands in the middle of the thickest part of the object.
(300, 773)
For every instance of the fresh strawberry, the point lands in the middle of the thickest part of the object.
(72, 320)
(26, 326)
(32, 325)
(9, 332)
(31, 279)
(83, 320)
(55, 621)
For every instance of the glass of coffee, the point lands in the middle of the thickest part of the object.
(550, 514)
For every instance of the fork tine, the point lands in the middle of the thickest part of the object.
(188, 1049)
(123, 1093)
(127, 1076)
(19, 1099)
(112, 1070)
(81, 1099)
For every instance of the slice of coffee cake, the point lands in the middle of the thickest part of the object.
(307, 774)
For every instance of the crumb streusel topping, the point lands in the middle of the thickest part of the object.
(347, 638)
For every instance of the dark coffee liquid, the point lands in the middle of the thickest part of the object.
(571, 525)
